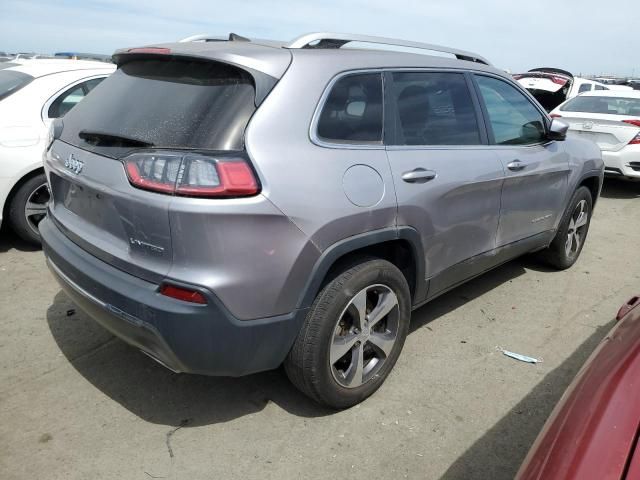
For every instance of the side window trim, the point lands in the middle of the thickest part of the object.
(391, 111)
(313, 127)
(485, 113)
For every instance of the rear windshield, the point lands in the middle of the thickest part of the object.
(174, 103)
(607, 105)
(12, 81)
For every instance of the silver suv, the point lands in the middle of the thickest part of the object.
(227, 206)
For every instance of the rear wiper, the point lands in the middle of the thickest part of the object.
(111, 140)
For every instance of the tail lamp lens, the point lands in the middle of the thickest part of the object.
(184, 294)
(193, 175)
(636, 123)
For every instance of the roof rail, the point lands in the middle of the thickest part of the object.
(233, 37)
(337, 40)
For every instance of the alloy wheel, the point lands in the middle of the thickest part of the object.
(36, 207)
(364, 336)
(577, 228)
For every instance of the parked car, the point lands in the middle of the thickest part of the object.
(33, 93)
(552, 86)
(229, 206)
(592, 433)
(634, 83)
(612, 120)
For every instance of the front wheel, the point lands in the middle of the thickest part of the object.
(352, 336)
(572, 231)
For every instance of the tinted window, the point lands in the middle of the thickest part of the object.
(353, 110)
(585, 87)
(513, 118)
(166, 103)
(91, 84)
(600, 87)
(11, 81)
(607, 105)
(434, 109)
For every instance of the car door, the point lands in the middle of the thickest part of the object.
(447, 180)
(536, 170)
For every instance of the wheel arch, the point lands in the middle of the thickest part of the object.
(401, 246)
(594, 183)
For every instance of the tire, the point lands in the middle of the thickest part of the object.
(559, 254)
(28, 207)
(314, 364)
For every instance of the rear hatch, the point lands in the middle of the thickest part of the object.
(153, 110)
(611, 122)
(549, 86)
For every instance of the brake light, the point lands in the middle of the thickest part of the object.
(192, 175)
(517, 76)
(555, 115)
(636, 123)
(558, 80)
(184, 294)
(156, 50)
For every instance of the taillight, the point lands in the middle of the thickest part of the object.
(184, 294)
(636, 123)
(517, 76)
(192, 175)
(156, 50)
(558, 80)
(555, 115)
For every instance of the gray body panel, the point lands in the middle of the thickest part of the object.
(261, 260)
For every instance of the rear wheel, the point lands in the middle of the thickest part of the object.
(352, 336)
(28, 207)
(572, 232)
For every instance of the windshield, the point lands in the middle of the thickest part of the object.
(12, 81)
(174, 103)
(606, 105)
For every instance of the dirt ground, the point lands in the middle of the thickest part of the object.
(76, 403)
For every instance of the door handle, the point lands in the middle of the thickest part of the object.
(516, 165)
(418, 175)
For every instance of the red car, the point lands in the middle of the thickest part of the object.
(593, 432)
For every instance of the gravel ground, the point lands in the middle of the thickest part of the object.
(76, 403)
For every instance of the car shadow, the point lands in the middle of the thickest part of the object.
(10, 241)
(620, 189)
(160, 396)
(499, 453)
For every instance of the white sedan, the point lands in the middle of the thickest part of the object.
(612, 120)
(32, 94)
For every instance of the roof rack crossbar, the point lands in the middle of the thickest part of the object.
(337, 40)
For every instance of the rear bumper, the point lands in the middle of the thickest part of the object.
(625, 162)
(185, 337)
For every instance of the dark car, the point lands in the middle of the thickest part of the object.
(592, 433)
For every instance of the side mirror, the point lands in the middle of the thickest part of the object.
(557, 130)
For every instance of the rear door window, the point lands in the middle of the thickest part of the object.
(585, 87)
(352, 113)
(168, 103)
(12, 81)
(434, 109)
(513, 118)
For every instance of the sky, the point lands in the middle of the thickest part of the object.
(584, 37)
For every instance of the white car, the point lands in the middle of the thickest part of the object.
(552, 86)
(32, 94)
(612, 120)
